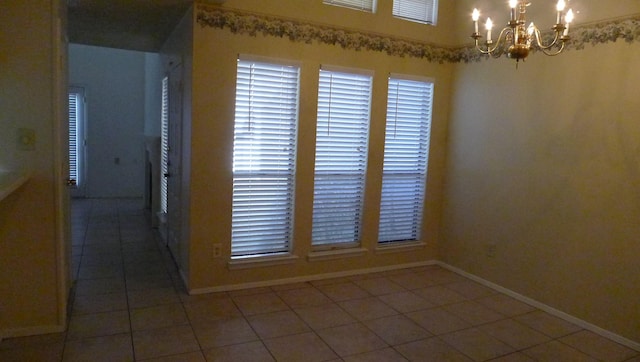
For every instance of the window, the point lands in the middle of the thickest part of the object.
(365, 5)
(164, 145)
(423, 11)
(344, 101)
(406, 153)
(76, 114)
(263, 157)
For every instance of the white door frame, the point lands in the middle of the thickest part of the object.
(60, 103)
(174, 184)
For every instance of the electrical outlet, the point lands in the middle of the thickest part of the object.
(217, 250)
(491, 250)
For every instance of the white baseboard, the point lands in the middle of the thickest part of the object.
(30, 331)
(555, 312)
(307, 278)
(184, 278)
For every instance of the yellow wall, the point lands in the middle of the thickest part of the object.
(543, 179)
(28, 235)
(214, 67)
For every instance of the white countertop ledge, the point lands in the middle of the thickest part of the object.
(10, 181)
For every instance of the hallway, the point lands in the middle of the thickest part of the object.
(130, 305)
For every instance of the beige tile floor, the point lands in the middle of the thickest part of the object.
(129, 305)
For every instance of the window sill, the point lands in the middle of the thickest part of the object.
(336, 254)
(261, 261)
(400, 247)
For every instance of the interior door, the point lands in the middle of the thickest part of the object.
(174, 174)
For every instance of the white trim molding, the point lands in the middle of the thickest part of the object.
(31, 331)
(261, 261)
(544, 307)
(307, 278)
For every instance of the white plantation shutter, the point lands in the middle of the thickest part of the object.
(344, 102)
(164, 144)
(365, 5)
(74, 141)
(406, 152)
(423, 11)
(263, 157)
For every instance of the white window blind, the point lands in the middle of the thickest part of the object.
(406, 152)
(423, 11)
(164, 145)
(344, 102)
(364, 5)
(263, 157)
(75, 113)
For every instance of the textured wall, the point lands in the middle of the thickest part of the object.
(543, 182)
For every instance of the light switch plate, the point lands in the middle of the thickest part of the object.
(26, 139)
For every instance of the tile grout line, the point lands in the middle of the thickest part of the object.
(126, 286)
(85, 221)
(121, 214)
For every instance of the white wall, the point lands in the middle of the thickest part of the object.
(114, 82)
(153, 94)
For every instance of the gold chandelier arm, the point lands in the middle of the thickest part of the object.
(556, 37)
(552, 53)
(489, 50)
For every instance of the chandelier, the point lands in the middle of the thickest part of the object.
(517, 40)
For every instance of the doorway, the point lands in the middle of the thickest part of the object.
(171, 152)
(112, 105)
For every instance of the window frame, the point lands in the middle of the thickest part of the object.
(405, 161)
(365, 5)
(77, 137)
(164, 146)
(400, 11)
(325, 159)
(242, 203)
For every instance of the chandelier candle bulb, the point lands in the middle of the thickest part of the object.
(489, 25)
(560, 7)
(475, 16)
(513, 4)
(568, 19)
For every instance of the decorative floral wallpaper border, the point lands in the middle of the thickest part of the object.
(249, 24)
